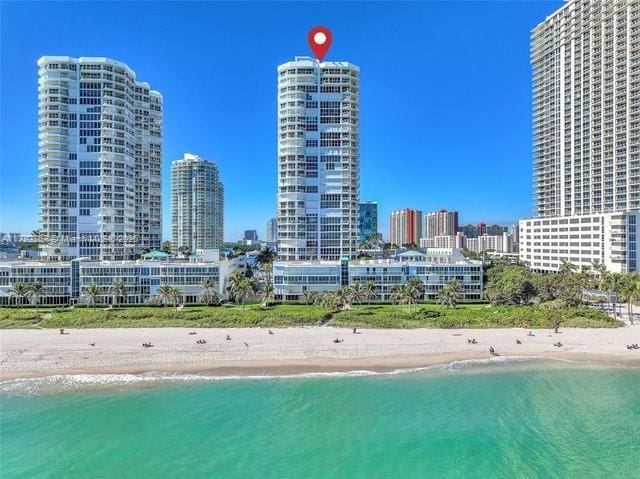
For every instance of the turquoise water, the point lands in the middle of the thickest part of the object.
(541, 420)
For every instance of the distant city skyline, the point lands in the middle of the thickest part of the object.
(431, 124)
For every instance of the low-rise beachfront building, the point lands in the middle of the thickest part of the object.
(291, 279)
(434, 267)
(55, 279)
(67, 282)
(143, 279)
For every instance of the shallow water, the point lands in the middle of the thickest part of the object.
(468, 419)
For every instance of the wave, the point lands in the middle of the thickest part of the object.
(84, 382)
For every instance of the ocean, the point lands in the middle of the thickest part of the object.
(485, 419)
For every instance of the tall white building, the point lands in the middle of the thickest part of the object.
(499, 243)
(441, 223)
(405, 227)
(100, 153)
(197, 204)
(586, 117)
(272, 230)
(318, 159)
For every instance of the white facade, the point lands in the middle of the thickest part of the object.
(456, 241)
(55, 279)
(586, 90)
(65, 282)
(586, 117)
(435, 268)
(441, 223)
(197, 204)
(318, 159)
(272, 230)
(143, 279)
(405, 227)
(100, 153)
(608, 239)
(499, 243)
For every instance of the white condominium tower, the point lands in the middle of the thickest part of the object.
(405, 227)
(197, 204)
(272, 230)
(318, 159)
(441, 223)
(586, 126)
(100, 152)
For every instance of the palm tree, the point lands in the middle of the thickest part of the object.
(407, 293)
(167, 293)
(450, 294)
(600, 271)
(330, 301)
(243, 288)
(613, 283)
(176, 297)
(118, 289)
(92, 291)
(399, 293)
(20, 290)
(357, 292)
(266, 256)
(370, 291)
(209, 294)
(309, 297)
(376, 241)
(266, 293)
(631, 293)
(566, 268)
(234, 281)
(344, 297)
(35, 291)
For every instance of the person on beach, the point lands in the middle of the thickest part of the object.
(518, 341)
(270, 332)
(61, 330)
(492, 351)
(228, 338)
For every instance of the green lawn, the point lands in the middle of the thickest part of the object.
(373, 316)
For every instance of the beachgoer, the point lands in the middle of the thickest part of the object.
(491, 350)
(518, 341)
(228, 338)
(246, 344)
(354, 330)
(61, 330)
(92, 344)
(270, 332)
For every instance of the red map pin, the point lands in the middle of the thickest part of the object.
(320, 41)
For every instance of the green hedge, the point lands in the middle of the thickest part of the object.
(284, 315)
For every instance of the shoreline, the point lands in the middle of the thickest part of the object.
(283, 369)
(293, 351)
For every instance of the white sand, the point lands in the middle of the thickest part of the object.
(30, 353)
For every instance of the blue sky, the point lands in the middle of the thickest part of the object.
(445, 95)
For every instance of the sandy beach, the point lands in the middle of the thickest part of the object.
(253, 351)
